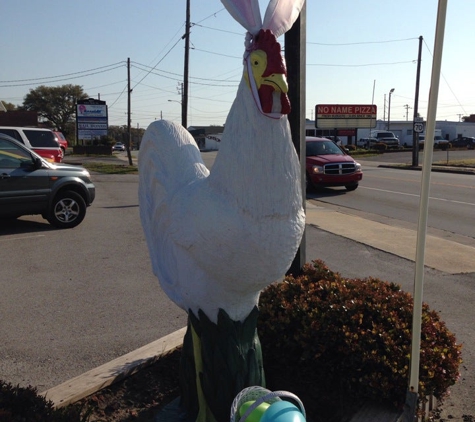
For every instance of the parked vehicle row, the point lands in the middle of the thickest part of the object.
(439, 142)
(42, 141)
(463, 142)
(31, 185)
(379, 137)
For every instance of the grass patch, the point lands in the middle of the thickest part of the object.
(467, 162)
(363, 153)
(109, 168)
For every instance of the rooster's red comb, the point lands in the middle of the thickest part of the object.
(265, 40)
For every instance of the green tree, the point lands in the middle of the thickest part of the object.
(56, 104)
(120, 134)
(8, 106)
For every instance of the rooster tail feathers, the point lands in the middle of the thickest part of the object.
(169, 155)
(169, 160)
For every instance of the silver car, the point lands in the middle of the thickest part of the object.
(30, 185)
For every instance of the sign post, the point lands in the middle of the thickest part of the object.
(91, 120)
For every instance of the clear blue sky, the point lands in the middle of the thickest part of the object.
(352, 47)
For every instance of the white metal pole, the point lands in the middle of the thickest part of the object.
(424, 199)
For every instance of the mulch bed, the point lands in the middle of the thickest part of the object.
(140, 397)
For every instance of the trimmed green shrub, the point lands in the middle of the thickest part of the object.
(355, 333)
(18, 404)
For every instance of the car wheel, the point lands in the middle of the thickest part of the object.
(350, 188)
(67, 210)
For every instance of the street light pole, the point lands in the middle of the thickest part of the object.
(181, 104)
(389, 107)
(184, 98)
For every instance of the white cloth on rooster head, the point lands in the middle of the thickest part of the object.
(279, 18)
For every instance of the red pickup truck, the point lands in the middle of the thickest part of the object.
(329, 165)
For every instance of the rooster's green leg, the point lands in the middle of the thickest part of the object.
(218, 361)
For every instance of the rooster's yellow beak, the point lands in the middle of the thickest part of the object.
(277, 81)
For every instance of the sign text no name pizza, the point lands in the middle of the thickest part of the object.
(337, 116)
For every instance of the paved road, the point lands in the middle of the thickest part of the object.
(72, 300)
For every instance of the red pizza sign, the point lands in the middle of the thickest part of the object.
(335, 116)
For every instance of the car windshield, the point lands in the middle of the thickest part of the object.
(384, 135)
(11, 155)
(41, 138)
(322, 148)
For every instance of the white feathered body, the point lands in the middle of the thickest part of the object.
(216, 239)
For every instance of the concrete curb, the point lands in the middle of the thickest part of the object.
(435, 168)
(441, 254)
(94, 380)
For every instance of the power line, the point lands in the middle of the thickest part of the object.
(120, 95)
(359, 65)
(210, 16)
(153, 68)
(217, 54)
(218, 30)
(179, 76)
(66, 76)
(360, 42)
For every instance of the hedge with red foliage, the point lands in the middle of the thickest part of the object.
(356, 331)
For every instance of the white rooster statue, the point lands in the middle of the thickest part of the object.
(216, 239)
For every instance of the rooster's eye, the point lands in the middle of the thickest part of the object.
(258, 61)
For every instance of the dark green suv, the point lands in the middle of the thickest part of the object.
(30, 185)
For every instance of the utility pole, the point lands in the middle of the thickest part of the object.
(407, 110)
(184, 100)
(129, 128)
(415, 135)
(295, 57)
